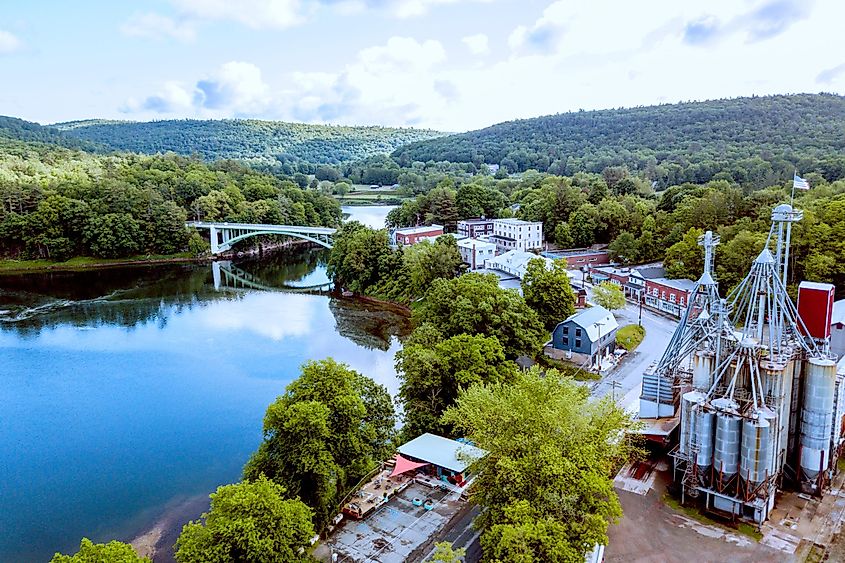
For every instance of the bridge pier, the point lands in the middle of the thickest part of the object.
(215, 244)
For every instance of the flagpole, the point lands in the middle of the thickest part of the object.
(792, 197)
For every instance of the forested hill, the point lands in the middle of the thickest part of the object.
(266, 142)
(663, 141)
(14, 131)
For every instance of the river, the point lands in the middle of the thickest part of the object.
(128, 393)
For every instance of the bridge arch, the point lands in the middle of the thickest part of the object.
(227, 245)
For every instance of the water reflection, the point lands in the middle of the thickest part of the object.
(123, 389)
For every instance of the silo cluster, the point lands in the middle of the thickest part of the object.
(760, 397)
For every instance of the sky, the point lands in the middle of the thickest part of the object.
(451, 65)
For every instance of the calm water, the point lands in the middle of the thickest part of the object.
(124, 389)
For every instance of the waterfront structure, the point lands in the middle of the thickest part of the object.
(448, 460)
(412, 235)
(757, 397)
(585, 337)
(474, 228)
(475, 252)
(516, 234)
(515, 262)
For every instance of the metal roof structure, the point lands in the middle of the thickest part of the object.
(594, 320)
(442, 452)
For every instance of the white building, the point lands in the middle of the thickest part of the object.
(475, 252)
(515, 262)
(837, 328)
(516, 234)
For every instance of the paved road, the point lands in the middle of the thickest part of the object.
(629, 373)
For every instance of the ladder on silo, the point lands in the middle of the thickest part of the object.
(691, 471)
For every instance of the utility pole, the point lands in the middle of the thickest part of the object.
(614, 385)
(640, 320)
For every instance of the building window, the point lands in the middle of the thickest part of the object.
(566, 330)
(663, 295)
(577, 332)
(577, 342)
(565, 341)
(682, 301)
(672, 298)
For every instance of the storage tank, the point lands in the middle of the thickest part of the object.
(817, 416)
(702, 374)
(754, 452)
(703, 434)
(728, 429)
(688, 401)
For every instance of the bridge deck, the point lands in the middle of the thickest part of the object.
(261, 227)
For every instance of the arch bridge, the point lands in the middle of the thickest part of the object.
(224, 235)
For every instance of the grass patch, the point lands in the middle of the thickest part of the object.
(695, 514)
(630, 336)
(567, 369)
(83, 262)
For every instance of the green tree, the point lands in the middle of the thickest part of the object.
(250, 521)
(735, 258)
(609, 295)
(433, 370)
(114, 235)
(548, 291)
(583, 224)
(546, 482)
(685, 259)
(445, 553)
(90, 552)
(428, 261)
(326, 432)
(475, 304)
(624, 248)
(563, 235)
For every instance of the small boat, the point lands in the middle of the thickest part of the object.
(428, 504)
(417, 501)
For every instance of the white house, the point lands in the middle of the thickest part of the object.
(516, 234)
(475, 252)
(515, 262)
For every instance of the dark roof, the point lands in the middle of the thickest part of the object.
(651, 272)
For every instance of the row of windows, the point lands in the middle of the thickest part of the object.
(566, 331)
(577, 342)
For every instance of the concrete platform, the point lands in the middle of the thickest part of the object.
(395, 530)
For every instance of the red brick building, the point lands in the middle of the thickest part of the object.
(412, 235)
(668, 296)
(579, 258)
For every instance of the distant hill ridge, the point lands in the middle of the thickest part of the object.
(15, 131)
(792, 126)
(246, 139)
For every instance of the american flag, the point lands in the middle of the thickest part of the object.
(799, 183)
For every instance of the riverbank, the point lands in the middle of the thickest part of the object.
(87, 263)
(157, 541)
(79, 263)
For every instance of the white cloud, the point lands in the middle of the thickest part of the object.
(8, 42)
(414, 8)
(257, 14)
(477, 44)
(573, 57)
(156, 26)
(236, 88)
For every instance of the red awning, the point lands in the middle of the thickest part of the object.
(404, 465)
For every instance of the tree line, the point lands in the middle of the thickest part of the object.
(56, 204)
(755, 141)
